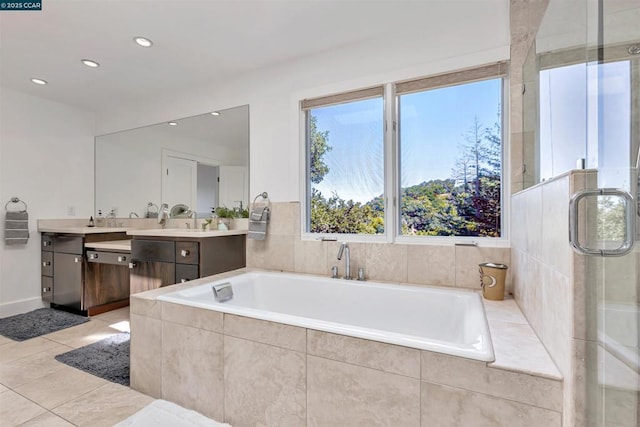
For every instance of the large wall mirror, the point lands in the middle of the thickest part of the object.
(560, 119)
(200, 162)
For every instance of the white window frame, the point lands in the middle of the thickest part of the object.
(392, 180)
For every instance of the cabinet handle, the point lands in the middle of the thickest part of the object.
(122, 258)
(77, 260)
(132, 265)
(46, 243)
(184, 280)
(184, 252)
(46, 290)
(92, 256)
(46, 263)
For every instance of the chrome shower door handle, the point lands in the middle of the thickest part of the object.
(629, 215)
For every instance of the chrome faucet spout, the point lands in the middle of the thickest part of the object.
(344, 250)
(163, 215)
(194, 216)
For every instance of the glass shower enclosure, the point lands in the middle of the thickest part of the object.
(586, 93)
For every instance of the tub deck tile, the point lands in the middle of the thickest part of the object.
(476, 376)
(340, 394)
(370, 354)
(449, 406)
(265, 332)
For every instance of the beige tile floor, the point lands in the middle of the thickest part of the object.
(37, 390)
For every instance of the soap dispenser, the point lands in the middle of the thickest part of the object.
(99, 219)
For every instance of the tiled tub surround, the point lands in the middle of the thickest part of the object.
(251, 372)
(449, 321)
(437, 265)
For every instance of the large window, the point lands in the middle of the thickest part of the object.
(444, 176)
(345, 172)
(451, 160)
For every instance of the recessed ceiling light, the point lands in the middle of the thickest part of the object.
(143, 41)
(39, 81)
(89, 63)
(173, 124)
(215, 113)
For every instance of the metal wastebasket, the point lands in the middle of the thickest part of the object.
(492, 278)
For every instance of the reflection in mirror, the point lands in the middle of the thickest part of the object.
(200, 162)
(564, 126)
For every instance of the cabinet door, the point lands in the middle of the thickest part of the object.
(68, 278)
(187, 252)
(186, 272)
(153, 250)
(47, 242)
(146, 275)
(105, 283)
(46, 289)
(47, 263)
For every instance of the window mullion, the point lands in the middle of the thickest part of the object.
(390, 164)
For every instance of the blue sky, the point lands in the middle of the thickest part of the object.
(432, 127)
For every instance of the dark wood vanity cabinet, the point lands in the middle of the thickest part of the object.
(107, 280)
(162, 261)
(46, 288)
(153, 264)
(64, 270)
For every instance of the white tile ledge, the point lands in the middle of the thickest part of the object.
(516, 346)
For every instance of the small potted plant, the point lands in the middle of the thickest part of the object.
(225, 215)
(241, 220)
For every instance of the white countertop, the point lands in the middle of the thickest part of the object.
(81, 230)
(116, 245)
(183, 232)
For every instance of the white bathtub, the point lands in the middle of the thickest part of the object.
(441, 320)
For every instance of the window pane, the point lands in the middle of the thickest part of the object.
(451, 160)
(345, 168)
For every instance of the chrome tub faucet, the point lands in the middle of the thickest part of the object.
(344, 250)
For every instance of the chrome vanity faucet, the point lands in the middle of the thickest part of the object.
(344, 249)
(163, 215)
(193, 215)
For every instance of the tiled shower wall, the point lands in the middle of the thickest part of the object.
(284, 250)
(525, 19)
(548, 278)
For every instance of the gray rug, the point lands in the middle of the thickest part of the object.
(108, 358)
(38, 322)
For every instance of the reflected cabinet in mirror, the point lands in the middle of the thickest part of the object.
(564, 122)
(195, 163)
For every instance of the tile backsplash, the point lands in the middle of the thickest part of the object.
(449, 265)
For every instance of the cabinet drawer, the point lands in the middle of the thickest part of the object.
(153, 250)
(116, 258)
(187, 252)
(47, 242)
(46, 289)
(47, 263)
(186, 272)
(68, 244)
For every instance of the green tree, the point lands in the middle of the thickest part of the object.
(319, 146)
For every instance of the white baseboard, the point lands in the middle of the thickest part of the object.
(20, 306)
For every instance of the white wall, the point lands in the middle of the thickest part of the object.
(46, 159)
(273, 94)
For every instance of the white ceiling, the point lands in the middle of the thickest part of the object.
(195, 41)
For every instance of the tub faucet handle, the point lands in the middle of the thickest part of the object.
(334, 272)
(361, 274)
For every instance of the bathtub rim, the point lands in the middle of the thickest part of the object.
(485, 354)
